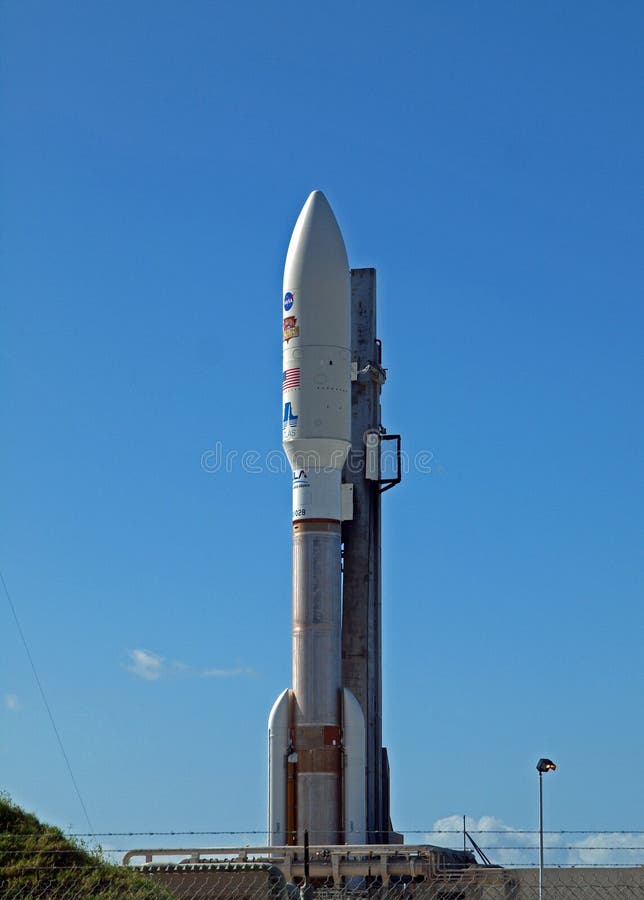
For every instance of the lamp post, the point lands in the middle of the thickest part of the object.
(544, 765)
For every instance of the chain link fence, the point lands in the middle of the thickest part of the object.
(48, 865)
(266, 882)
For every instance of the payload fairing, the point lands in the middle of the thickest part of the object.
(316, 729)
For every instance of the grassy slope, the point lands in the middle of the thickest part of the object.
(38, 860)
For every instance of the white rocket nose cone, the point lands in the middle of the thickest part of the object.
(317, 234)
(316, 276)
(316, 238)
(316, 354)
(318, 209)
(319, 229)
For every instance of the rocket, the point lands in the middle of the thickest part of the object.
(316, 732)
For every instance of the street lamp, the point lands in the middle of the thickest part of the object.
(544, 765)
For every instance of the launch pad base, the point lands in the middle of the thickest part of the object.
(334, 865)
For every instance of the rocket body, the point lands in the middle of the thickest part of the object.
(316, 348)
(316, 437)
(307, 749)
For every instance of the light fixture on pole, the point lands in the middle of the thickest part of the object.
(544, 765)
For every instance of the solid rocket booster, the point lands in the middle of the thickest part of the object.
(316, 730)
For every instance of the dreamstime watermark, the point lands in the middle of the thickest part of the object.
(220, 459)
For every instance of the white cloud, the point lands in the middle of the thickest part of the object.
(226, 673)
(502, 843)
(12, 702)
(151, 667)
(608, 849)
(145, 664)
(509, 846)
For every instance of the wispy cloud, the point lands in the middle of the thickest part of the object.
(509, 846)
(151, 666)
(145, 664)
(226, 673)
(12, 702)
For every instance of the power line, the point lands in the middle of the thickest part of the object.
(47, 707)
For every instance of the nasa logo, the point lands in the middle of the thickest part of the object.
(288, 300)
(289, 420)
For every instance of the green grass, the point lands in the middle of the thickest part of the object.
(37, 861)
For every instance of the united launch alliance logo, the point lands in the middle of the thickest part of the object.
(289, 299)
(289, 421)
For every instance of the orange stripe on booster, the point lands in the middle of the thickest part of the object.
(300, 525)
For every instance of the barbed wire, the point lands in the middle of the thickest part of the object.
(533, 847)
(406, 831)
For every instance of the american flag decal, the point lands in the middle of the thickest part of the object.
(290, 379)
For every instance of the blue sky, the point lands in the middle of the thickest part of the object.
(486, 159)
